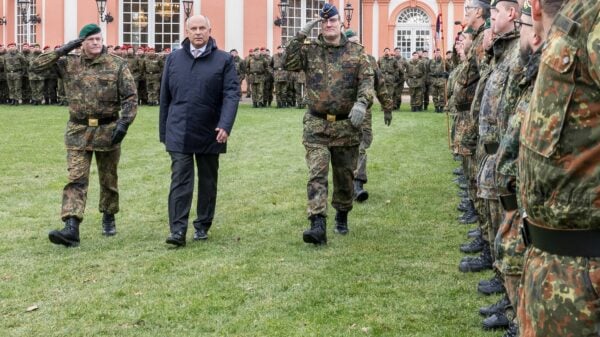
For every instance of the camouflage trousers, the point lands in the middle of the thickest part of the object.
(438, 93)
(281, 91)
(426, 91)
(258, 90)
(75, 192)
(50, 89)
(330, 142)
(493, 218)
(153, 88)
(26, 89)
(37, 89)
(3, 91)
(416, 96)
(509, 246)
(365, 142)
(398, 92)
(559, 295)
(15, 88)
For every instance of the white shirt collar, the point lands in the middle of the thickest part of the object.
(201, 49)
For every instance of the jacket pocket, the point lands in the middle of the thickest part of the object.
(107, 88)
(555, 86)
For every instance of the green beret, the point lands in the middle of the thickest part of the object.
(349, 33)
(526, 10)
(89, 29)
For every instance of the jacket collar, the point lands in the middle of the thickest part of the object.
(210, 46)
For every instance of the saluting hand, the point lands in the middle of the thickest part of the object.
(221, 135)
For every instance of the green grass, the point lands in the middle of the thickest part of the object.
(395, 274)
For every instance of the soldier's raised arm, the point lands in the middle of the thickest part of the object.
(293, 60)
(46, 60)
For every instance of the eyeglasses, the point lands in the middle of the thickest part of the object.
(518, 24)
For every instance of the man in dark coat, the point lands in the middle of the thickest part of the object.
(199, 98)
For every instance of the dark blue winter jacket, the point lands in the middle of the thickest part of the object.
(196, 97)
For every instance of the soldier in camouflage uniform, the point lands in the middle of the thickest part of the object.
(153, 66)
(424, 57)
(36, 78)
(3, 84)
(299, 88)
(258, 68)
(281, 78)
(337, 105)
(438, 75)
(558, 176)
(50, 82)
(387, 104)
(134, 65)
(240, 67)
(390, 70)
(102, 105)
(140, 54)
(399, 79)
(269, 79)
(14, 65)
(415, 77)
(249, 77)
(26, 88)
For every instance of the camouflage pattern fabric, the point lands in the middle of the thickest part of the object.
(258, 68)
(349, 80)
(399, 81)
(281, 77)
(14, 65)
(415, 78)
(437, 76)
(36, 81)
(389, 67)
(153, 67)
(268, 81)
(299, 87)
(559, 171)
(427, 80)
(3, 84)
(75, 192)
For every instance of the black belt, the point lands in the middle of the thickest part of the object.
(509, 202)
(565, 242)
(328, 117)
(491, 148)
(93, 121)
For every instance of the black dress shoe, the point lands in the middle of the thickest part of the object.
(176, 239)
(200, 234)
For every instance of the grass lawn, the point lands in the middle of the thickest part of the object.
(394, 274)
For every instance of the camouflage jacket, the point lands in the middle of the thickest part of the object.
(240, 67)
(559, 163)
(508, 152)
(36, 75)
(415, 73)
(134, 64)
(499, 85)
(153, 67)
(401, 68)
(96, 89)
(258, 67)
(336, 76)
(437, 72)
(388, 65)
(279, 73)
(14, 64)
(383, 96)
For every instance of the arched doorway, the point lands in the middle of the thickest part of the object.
(413, 31)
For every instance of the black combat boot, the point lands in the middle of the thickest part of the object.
(496, 321)
(458, 171)
(176, 239)
(279, 105)
(341, 222)
(479, 263)
(360, 194)
(474, 246)
(316, 234)
(109, 227)
(464, 205)
(497, 307)
(254, 105)
(68, 236)
(495, 285)
(470, 215)
(473, 233)
(512, 331)
(462, 194)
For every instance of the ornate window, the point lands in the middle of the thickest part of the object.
(154, 23)
(413, 31)
(298, 13)
(26, 31)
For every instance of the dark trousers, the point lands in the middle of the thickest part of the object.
(182, 190)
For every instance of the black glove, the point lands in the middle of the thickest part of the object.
(67, 47)
(119, 132)
(387, 117)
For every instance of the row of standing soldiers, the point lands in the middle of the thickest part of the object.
(18, 84)
(423, 76)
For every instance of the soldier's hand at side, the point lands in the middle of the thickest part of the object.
(308, 27)
(387, 117)
(357, 114)
(119, 132)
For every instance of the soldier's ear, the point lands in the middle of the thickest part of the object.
(536, 10)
